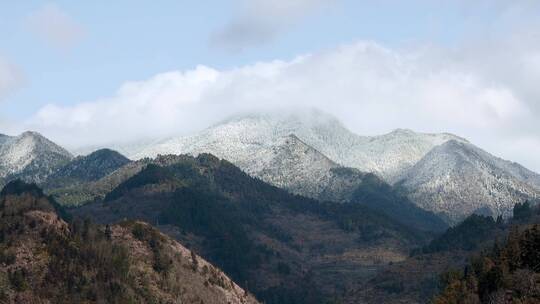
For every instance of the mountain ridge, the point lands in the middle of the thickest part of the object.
(460, 174)
(382, 154)
(253, 142)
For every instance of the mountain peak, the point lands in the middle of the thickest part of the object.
(31, 134)
(401, 131)
(106, 153)
(240, 138)
(30, 156)
(88, 168)
(456, 179)
(453, 146)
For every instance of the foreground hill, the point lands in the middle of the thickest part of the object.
(284, 248)
(45, 259)
(30, 156)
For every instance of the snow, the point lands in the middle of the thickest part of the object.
(242, 139)
(442, 172)
(30, 149)
(456, 179)
(305, 154)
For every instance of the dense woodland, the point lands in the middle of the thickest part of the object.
(506, 274)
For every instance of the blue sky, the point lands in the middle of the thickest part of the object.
(98, 72)
(131, 40)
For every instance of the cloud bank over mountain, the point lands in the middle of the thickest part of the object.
(491, 100)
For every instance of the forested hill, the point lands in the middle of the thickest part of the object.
(45, 259)
(508, 272)
(285, 248)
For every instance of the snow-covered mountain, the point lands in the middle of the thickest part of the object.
(293, 165)
(270, 150)
(239, 139)
(313, 154)
(431, 168)
(456, 179)
(30, 156)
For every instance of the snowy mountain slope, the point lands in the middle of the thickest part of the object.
(293, 165)
(286, 162)
(431, 168)
(3, 138)
(456, 179)
(518, 171)
(268, 147)
(30, 156)
(391, 154)
(237, 139)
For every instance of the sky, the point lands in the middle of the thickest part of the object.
(101, 72)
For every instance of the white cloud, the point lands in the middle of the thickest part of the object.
(260, 21)
(55, 27)
(10, 78)
(372, 88)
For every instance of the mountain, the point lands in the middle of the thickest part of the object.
(87, 168)
(241, 139)
(30, 156)
(456, 179)
(73, 183)
(284, 161)
(302, 171)
(291, 164)
(378, 195)
(285, 248)
(309, 154)
(78, 193)
(46, 259)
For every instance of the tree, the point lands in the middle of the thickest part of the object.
(522, 211)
